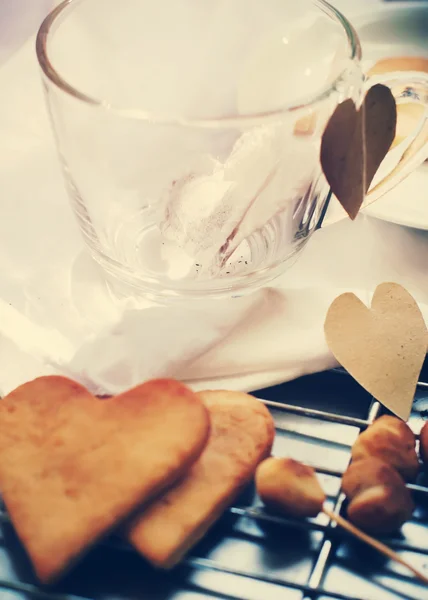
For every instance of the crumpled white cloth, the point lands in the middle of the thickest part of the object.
(56, 315)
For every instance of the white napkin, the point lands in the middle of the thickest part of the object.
(56, 315)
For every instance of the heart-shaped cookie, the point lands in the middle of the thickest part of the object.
(354, 144)
(382, 347)
(242, 433)
(72, 466)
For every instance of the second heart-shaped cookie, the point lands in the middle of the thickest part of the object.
(72, 466)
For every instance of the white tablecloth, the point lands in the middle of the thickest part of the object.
(55, 315)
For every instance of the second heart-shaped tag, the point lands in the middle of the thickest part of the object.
(354, 144)
(382, 347)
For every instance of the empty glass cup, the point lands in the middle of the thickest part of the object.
(189, 133)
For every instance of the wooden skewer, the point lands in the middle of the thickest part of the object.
(382, 548)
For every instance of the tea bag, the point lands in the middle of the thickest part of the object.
(205, 212)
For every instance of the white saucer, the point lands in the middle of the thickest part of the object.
(406, 204)
(392, 31)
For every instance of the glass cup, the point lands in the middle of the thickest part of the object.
(189, 133)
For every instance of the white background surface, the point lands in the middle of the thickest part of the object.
(54, 311)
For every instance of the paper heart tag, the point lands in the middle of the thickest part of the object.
(354, 144)
(382, 347)
(73, 466)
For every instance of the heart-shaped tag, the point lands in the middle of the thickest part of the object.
(382, 347)
(72, 466)
(354, 144)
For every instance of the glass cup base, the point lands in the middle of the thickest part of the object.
(125, 285)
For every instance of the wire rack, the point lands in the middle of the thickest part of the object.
(251, 554)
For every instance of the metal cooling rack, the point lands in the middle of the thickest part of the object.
(250, 554)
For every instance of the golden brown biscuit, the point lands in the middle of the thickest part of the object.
(242, 432)
(409, 117)
(288, 486)
(306, 125)
(409, 114)
(392, 441)
(72, 465)
(399, 63)
(381, 509)
(368, 473)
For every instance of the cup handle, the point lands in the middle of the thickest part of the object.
(409, 88)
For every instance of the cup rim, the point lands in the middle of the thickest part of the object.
(250, 119)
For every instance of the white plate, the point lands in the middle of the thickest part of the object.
(393, 31)
(406, 204)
